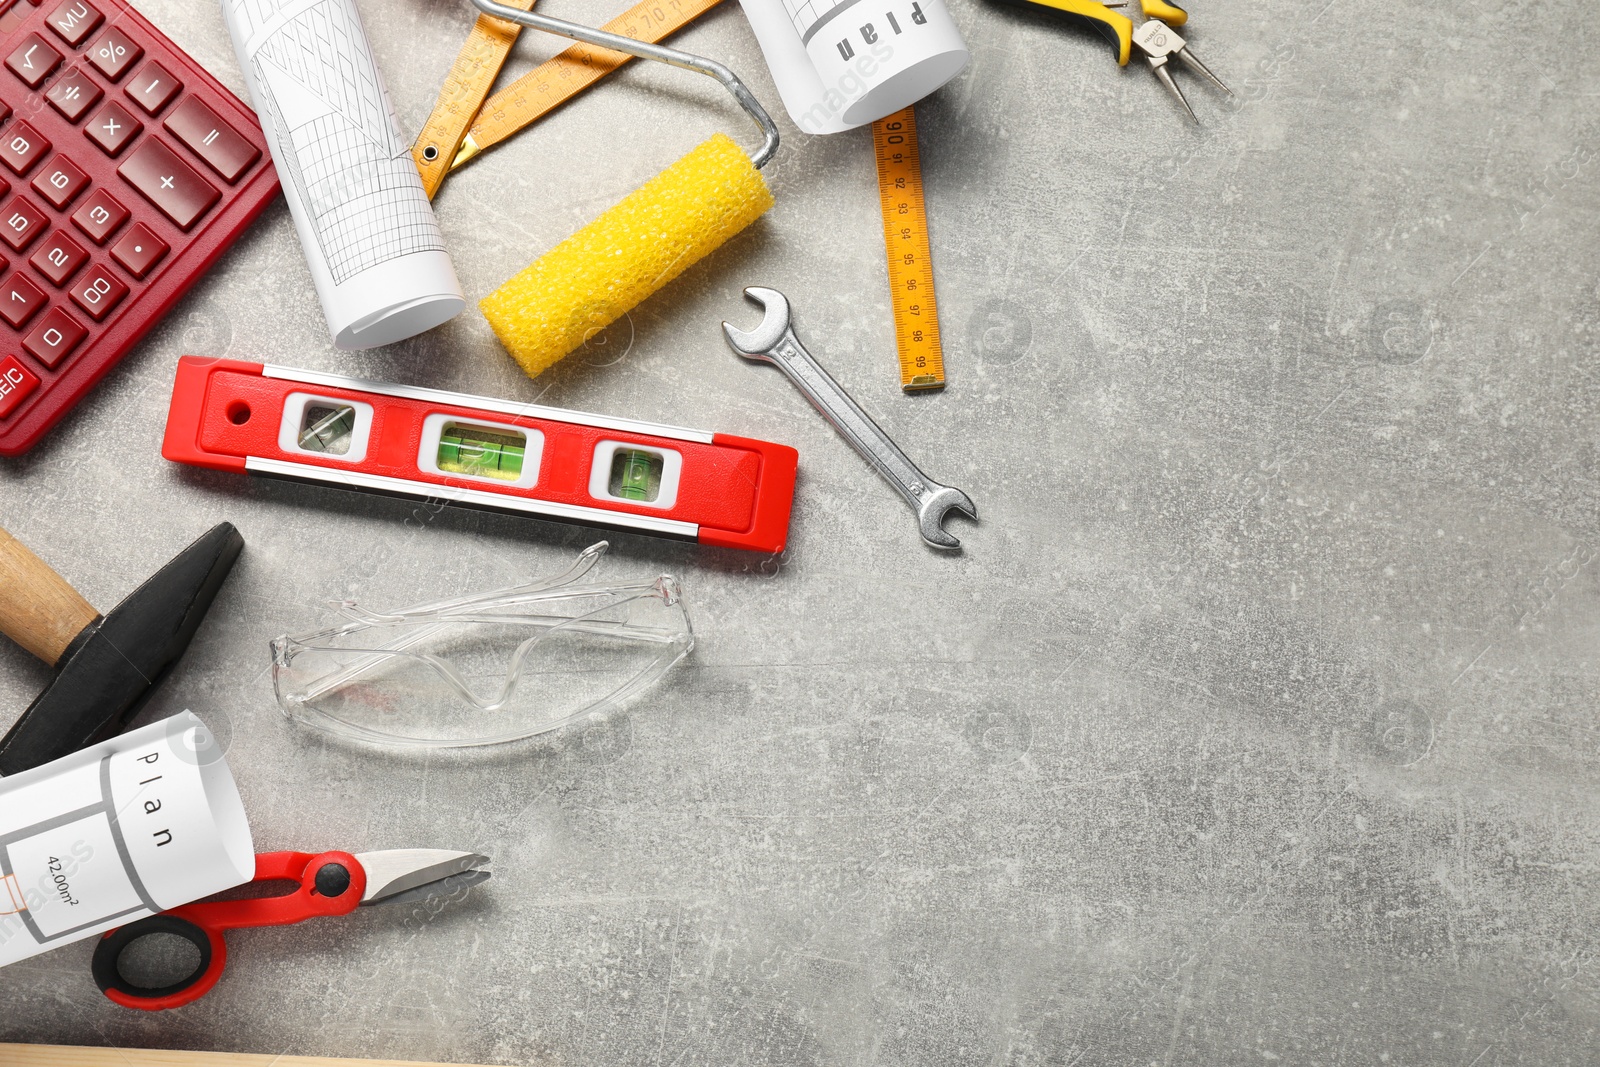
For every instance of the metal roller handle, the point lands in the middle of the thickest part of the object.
(660, 53)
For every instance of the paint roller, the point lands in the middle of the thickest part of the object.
(660, 230)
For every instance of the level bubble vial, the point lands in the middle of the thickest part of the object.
(636, 474)
(327, 429)
(482, 452)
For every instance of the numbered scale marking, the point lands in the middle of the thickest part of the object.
(905, 239)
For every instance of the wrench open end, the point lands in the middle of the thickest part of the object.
(931, 513)
(759, 343)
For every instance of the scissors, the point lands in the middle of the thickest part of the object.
(328, 883)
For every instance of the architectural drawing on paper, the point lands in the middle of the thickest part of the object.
(318, 86)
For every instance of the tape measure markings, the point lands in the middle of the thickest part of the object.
(537, 93)
(906, 247)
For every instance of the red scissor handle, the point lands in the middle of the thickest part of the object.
(330, 883)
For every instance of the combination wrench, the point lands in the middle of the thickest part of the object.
(774, 342)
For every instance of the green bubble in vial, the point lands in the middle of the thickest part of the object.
(482, 453)
(636, 475)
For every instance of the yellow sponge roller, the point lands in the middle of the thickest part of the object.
(587, 281)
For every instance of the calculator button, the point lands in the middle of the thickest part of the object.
(73, 20)
(59, 258)
(5, 108)
(98, 292)
(112, 128)
(33, 60)
(99, 216)
(21, 146)
(139, 250)
(153, 88)
(60, 182)
(73, 94)
(20, 300)
(20, 223)
(112, 53)
(168, 182)
(56, 335)
(213, 140)
(16, 382)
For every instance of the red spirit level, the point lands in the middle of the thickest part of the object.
(475, 452)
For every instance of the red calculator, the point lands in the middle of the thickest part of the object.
(125, 171)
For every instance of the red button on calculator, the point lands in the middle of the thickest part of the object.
(16, 382)
(59, 258)
(102, 246)
(60, 182)
(112, 128)
(54, 338)
(20, 223)
(33, 60)
(98, 292)
(212, 139)
(153, 87)
(20, 300)
(73, 94)
(140, 250)
(169, 183)
(73, 20)
(113, 53)
(99, 216)
(21, 146)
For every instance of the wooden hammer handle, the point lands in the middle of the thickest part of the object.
(38, 609)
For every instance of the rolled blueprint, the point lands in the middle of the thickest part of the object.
(370, 238)
(117, 831)
(839, 64)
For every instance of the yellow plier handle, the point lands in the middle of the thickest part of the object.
(1114, 27)
(1118, 29)
(1171, 14)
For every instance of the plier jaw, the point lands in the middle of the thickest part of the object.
(1159, 43)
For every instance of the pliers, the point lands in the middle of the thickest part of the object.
(1156, 39)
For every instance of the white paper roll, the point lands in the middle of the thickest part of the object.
(368, 231)
(843, 64)
(117, 831)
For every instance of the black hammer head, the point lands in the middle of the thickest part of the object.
(113, 666)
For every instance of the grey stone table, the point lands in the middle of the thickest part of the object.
(1257, 721)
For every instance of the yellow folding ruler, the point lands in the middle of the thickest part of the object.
(447, 142)
(905, 240)
(469, 81)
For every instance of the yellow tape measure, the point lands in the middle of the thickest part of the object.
(470, 78)
(551, 84)
(905, 240)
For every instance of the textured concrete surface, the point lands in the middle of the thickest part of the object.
(1256, 722)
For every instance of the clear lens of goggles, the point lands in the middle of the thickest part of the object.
(487, 668)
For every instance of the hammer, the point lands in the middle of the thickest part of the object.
(106, 665)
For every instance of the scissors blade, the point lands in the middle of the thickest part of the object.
(396, 870)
